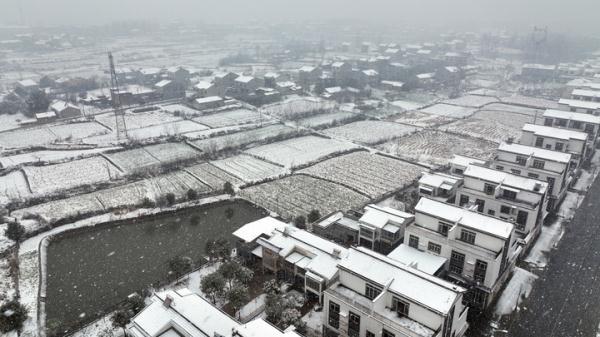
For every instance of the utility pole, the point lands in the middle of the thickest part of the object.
(116, 101)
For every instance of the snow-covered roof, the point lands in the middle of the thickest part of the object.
(586, 93)
(27, 83)
(548, 131)
(47, 114)
(424, 51)
(439, 180)
(253, 230)
(162, 83)
(203, 85)
(579, 104)
(414, 258)
(464, 217)
(536, 152)
(333, 90)
(150, 71)
(410, 283)
(574, 116)
(307, 69)
(425, 76)
(464, 161)
(244, 79)
(506, 179)
(394, 84)
(380, 217)
(209, 99)
(370, 72)
(337, 64)
(271, 75)
(452, 69)
(539, 66)
(59, 106)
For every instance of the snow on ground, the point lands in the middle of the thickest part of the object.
(314, 322)
(472, 101)
(248, 168)
(407, 105)
(9, 122)
(231, 117)
(44, 135)
(252, 308)
(49, 156)
(7, 286)
(28, 289)
(422, 119)
(99, 328)
(494, 126)
(370, 132)
(297, 105)
(519, 287)
(449, 110)
(13, 186)
(325, 119)
(238, 139)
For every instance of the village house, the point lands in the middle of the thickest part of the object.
(411, 257)
(45, 117)
(308, 75)
(552, 167)
(506, 196)
(224, 83)
(288, 88)
(150, 76)
(342, 73)
(439, 186)
(538, 72)
(375, 295)
(210, 102)
(246, 237)
(64, 109)
(382, 228)
(481, 250)
(586, 95)
(168, 89)
(459, 164)
(204, 89)
(339, 227)
(245, 86)
(563, 140)
(576, 121)
(574, 105)
(28, 85)
(179, 75)
(392, 86)
(174, 313)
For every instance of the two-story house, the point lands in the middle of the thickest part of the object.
(575, 105)
(505, 196)
(586, 95)
(439, 186)
(481, 250)
(552, 167)
(459, 164)
(382, 228)
(576, 121)
(563, 140)
(376, 296)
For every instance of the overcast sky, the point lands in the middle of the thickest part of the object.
(564, 15)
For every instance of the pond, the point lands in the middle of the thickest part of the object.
(91, 270)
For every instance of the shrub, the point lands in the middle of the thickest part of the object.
(15, 231)
(192, 194)
(170, 197)
(12, 316)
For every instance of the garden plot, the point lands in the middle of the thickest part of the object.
(370, 132)
(180, 109)
(138, 120)
(371, 174)
(300, 151)
(514, 109)
(452, 111)
(326, 119)
(56, 210)
(299, 194)
(213, 176)
(169, 153)
(178, 183)
(242, 138)
(495, 126)
(472, 101)
(407, 105)
(75, 131)
(437, 148)
(165, 130)
(295, 107)
(22, 138)
(13, 187)
(532, 102)
(123, 196)
(422, 119)
(62, 177)
(134, 160)
(231, 117)
(248, 168)
(49, 156)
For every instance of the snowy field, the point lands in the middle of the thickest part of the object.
(518, 288)
(422, 119)
(494, 126)
(371, 174)
(248, 168)
(152, 157)
(231, 117)
(300, 151)
(181, 109)
(437, 148)
(299, 194)
(532, 102)
(13, 187)
(242, 138)
(213, 176)
(325, 119)
(9, 122)
(7, 286)
(63, 177)
(407, 105)
(472, 101)
(292, 107)
(165, 130)
(49, 156)
(452, 111)
(514, 109)
(72, 133)
(138, 120)
(370, 132)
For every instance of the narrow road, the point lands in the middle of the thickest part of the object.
(565, 301)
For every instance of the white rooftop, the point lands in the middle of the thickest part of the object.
(548, 131)
(209, 99)
(574, 116)
(244, 79)
(457, 215)
(579, 104)
(307, 69)
(414, 258)
(438, 180)
(162, 83)
(536, 152)
(464, 161)
(586, 93)
(253, 230)
(203, 85)
(379, 217)
(506, 179)
(27, 83)
(408, 282)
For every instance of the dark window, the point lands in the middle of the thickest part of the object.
(515, 171)
(353, 325)
(551, 182)
(561, 122)
(539, 164)
(425, 192)
(334, 314)
(548, 146)
(400, 306)
(489, 188)
(504, 209)
(413, 241)
(500, 168)
(464, 199)
(589, 128)
(576, 125)
(434, 247)
(573, 109)
(385, 333)
(521, 160)
(511, 195)
(467, 236)
(370, 334)
(491, 212)
(533, 175)
(521, 219)
(458, 171)
(457, 262)
(443, 228)
(480, 205)
(539, 141)
(559, 147)
(480, 270)
(548, 122)
(372, 291)
(313, 284)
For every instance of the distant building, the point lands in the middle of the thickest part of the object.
(573, 105)
(45, 117)
(538, 72)
(211, 102)
(64, 109)
(28, 85)
(459, 164)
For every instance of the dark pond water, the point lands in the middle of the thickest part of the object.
(92, 270)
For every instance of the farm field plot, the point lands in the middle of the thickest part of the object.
(74, 131)
(422, 119)
(300, 151)
(248, 168)
(472, 101)
(538, 103)
(213, 176)
(299, 194)
(494, 126)
(13, 186)
(371, 174)
(325, 119)
(242, 138)
(231, 117)
(437, 148)
(165, 130)
(513, 108)
(370, 132)
(172, 152)
(22, 138)
(49, 156)
(138, 120)
(407, 105)
(56, 210)
(62, 177)
(292, 107)
(178, 183)
(449, 110)
(180, 108)
(134, 160)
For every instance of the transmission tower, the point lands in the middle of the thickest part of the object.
(116, 100)
(539, 37)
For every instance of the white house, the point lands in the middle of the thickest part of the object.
(550, 138)
(439, 186)
(459, 164)
(574, 105)
(210, 102)
(180, 312)
(586, 95)
(414, 258)
(576, 121)
(377, 296)
(505, 196)
(481, 250)
(382, 228)
(552, 167)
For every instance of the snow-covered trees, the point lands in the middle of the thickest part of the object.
(12, 316)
